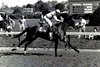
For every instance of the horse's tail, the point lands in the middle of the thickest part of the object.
(18, 35)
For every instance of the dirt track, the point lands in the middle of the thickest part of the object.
(47, 59)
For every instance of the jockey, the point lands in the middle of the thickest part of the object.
(47, 18)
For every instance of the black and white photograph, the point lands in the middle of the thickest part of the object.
(49, 33)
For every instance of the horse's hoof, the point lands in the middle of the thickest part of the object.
(13, 49)
(17, 48)
(78, 37)
(25, 52)
(59, 55)
(78, 51)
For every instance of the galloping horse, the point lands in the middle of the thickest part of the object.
(32, 33)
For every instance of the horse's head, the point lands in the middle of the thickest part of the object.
(68, 19)
(65, 16)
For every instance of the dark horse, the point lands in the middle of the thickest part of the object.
(33, 33)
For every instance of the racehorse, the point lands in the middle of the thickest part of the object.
(32, 33)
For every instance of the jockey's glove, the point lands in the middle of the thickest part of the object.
(61, 21)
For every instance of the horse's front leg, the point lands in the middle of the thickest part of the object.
(67, 41)
(69, 44)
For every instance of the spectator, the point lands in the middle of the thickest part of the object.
(82, 25)
(22, 23)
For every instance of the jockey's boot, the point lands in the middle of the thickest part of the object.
(41, 29)
(17, 48)
(25, 52)
(41, 26)
(51, 35)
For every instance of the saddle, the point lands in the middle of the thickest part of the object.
(46, 28)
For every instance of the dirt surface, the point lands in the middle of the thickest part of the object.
(47, 59)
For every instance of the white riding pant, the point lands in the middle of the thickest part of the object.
(48, 21)
(22, 27)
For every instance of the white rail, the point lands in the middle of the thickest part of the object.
(67, 33)
(32, 50)
(82, 33)
(9, 33)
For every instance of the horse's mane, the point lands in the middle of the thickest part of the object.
(67, 19)
(66, 16)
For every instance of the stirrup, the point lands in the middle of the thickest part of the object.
(42, 30)
(51, 35)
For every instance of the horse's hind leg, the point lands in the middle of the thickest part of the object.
(23, 41)
(28, 43)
